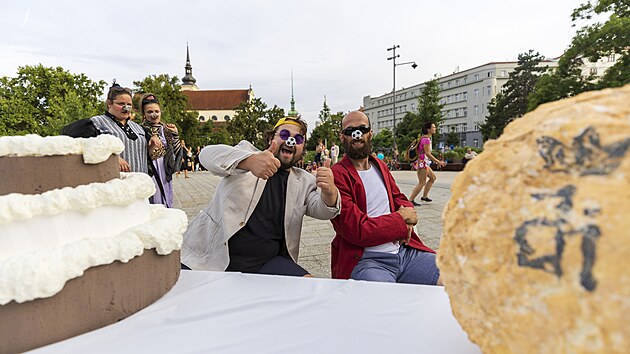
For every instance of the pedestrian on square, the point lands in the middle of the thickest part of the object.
(334, 153)
(254, 221)
(186, 159)
(319, 151)
(117, 121)
(423, 171)
(164, 150)
(374, 240)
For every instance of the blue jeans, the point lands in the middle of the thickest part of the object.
(408, 266)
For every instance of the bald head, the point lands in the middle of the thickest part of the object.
(354, 119)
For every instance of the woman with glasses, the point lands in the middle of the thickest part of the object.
(164, 150)
(116, 121)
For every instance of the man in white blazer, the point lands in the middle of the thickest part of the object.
(254, 221)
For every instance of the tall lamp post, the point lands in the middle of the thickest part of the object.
(393, 59)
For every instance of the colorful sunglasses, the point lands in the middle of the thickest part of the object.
(297, 139)
(364, 129)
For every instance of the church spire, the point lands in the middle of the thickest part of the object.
(292, 112)
(188, 80)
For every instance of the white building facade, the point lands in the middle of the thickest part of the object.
(465, 96)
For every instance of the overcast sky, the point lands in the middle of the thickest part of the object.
(335, 48)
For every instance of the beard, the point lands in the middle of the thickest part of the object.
(285, 161)
(357, 153)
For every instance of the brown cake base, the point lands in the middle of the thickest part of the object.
(39, 174)
(102, 296)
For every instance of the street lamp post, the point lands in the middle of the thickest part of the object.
(393, 58)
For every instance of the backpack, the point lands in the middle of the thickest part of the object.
(411, 154)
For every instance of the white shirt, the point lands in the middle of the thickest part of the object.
(377, 204)
(334, 151)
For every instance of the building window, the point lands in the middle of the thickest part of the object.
(476, 142)
(593, 71)
(476, 110)
(465, 127)
(476, 93)
(490, 73)
(476, 77)
(611, 58)
(503, 73)
(489, 90)
(449, 84)
(466, 95)
(466, 79)
(215, 118)
(457, 82)
(227, 118)
(202, 118)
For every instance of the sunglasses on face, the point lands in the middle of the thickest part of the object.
(285, 134)
(364, 129)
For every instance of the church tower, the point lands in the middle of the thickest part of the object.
(292, 112)
(188, 82)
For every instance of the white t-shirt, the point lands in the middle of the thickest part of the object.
(334, 151)
(377, 204)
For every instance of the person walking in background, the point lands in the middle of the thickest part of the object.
(196, 165)
(186, 158)
(164, 153)
(117, 121)
(334, 153)
(423, 171)
(319, 151)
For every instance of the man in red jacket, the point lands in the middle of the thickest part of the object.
(374, 237)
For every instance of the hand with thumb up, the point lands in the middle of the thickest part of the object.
(263, 164)
(326, 181)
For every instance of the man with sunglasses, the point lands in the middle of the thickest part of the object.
(374, 238)
(254, 221)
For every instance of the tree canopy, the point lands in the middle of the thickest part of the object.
(591, 42)
(429, 110)
(41, 100)
(251, 121)
(511, 103)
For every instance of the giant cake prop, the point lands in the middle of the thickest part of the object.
(536, 249)
(80, 246)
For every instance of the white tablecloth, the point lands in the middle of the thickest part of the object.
(216, 312)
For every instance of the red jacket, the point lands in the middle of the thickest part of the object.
(354, 229)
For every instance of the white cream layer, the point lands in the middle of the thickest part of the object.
(43, 232)
(42, 273)
(94, 150)
(122, 191)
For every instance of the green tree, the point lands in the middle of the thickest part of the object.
(511, 103)
(327, 131)
(324, 114)
(41, 100)
(383, 141)
(251, 121)
(174, 106)
(591, 42)
(452, 138)
(429, 110)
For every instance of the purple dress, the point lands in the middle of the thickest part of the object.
(159, 198)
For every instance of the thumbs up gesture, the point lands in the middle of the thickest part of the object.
(263, 164)
(326, 181)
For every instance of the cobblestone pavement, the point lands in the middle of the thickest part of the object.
(193, 194)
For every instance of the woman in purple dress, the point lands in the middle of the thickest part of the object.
(164, 150)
